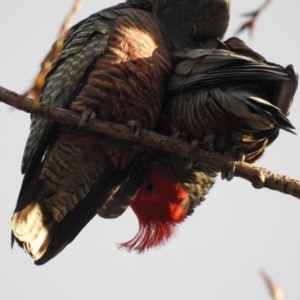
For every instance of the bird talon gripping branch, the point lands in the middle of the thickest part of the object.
(228, 175)
(175, 137)
(136, 127)
(208, 141)
(87, 116)
(258, 179)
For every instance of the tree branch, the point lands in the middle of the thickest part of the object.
(259, 177)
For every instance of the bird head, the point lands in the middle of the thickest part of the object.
(192, 23)
(168, 195)
(159, 207)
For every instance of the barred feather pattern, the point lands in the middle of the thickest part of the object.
(63, 81)
(116, 63)
(125, 74)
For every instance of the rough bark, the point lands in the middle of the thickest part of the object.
(259, 177)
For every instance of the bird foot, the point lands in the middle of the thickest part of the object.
(208, 142)
(175, 137)
(228, 175)
(193, 147)
(136, 127)
(87, 116)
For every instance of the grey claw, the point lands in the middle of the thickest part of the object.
(228, 175)
(195, 144)
(188, 164)
(175, 136)
(208, 141)
(87, 115)
(136, 127)
(223, 175)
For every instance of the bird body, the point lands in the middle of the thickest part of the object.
(228, 98)
(115, 64)
(223, 94)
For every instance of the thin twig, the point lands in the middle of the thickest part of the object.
(276, 293)
(51, 58)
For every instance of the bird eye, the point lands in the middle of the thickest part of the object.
(149, 187)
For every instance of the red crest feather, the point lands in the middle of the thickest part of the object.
(159, 208)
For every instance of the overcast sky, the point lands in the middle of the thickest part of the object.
(216, 254)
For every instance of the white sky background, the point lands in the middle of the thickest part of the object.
(217, 253)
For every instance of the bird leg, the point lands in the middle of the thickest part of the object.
(193, 145)
(208, 141)
(228, 175)
(136, 128)
(189, 162)
(240, 156)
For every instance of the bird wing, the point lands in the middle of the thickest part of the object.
(116, 62)
(203, 69)
(219, 92)
(84, 42)
(236, 61)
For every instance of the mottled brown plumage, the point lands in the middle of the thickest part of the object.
(116, 63)
(231, 99)
(186, 24)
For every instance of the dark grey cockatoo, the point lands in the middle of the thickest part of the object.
(115, 63)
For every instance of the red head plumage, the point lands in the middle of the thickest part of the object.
(159, 208)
